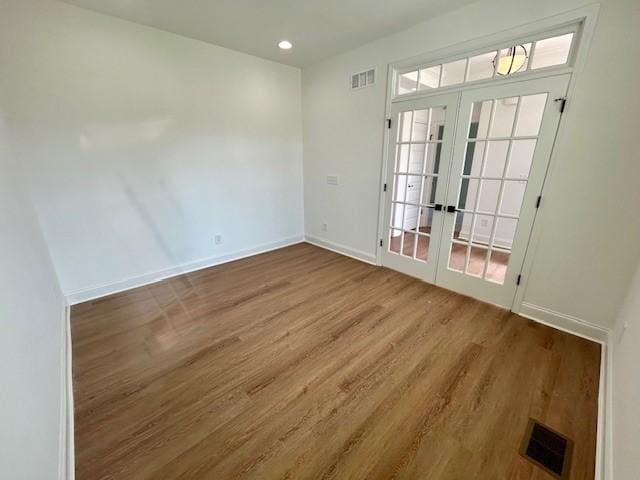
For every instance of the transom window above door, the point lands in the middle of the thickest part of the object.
(545, 51)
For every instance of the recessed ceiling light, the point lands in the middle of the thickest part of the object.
(285, 45)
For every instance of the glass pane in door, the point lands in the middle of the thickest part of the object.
(501, 141)
(415, 177)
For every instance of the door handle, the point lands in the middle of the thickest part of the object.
(451, 209)
(437, 207)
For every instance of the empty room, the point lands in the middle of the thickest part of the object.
(355, 239)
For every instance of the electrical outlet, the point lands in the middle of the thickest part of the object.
(325, 227)
(217, 239)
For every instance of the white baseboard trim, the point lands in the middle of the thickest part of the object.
(581, 328)
(341, 249)
(566, 323)
(560, 321)
(99, 291)
(66, 462)
(604, 437)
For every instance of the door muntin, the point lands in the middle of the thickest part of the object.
(417, 171)
(464, 173)
(503, 144)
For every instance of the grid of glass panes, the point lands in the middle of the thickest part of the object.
(500, 146)
(415, 177)
(545, 52)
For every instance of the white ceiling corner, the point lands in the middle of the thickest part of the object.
(317, 28)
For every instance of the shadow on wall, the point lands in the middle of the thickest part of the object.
(142, 183)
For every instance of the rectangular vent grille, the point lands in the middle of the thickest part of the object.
(547, 449)
(363, 79)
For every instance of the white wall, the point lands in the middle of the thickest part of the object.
(143, 145)
(32, 319)
(625, 342)
(591, 199)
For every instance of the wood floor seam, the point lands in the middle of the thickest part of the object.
(301, 363)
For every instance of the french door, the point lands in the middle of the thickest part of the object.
(417, 174)
(473, 227)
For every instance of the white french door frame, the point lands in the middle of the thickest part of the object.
(425, 270)
(501, 294)
(587, 16)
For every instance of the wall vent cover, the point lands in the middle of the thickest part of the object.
(363, 79)
(547, 449)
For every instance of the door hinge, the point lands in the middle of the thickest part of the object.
(539, 201)
(380, 242)
(519, 279)
(563, 103)
(388, 123)
(385, 188)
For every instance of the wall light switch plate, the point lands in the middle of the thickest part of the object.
(332, 179)
(217, 239)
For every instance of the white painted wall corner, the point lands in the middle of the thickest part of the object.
(341, 249)
(104, 290)
(564, 322)
(581, 328)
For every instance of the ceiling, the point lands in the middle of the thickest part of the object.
(317, 28)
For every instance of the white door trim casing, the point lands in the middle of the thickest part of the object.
(424, 270)
(407, 118)
(587, 16)
(553, 88)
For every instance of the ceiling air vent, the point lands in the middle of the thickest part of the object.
(363, 79)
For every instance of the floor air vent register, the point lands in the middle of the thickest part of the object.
(547, 449)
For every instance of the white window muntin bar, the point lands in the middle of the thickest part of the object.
(574, 27)
(571, 28)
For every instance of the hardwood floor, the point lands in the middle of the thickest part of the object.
(496, 269)
(301, 363)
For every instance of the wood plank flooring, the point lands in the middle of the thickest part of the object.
(304, 364)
